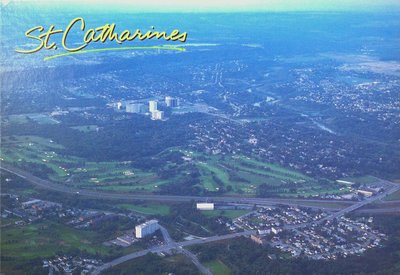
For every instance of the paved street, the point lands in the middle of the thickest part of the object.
(178, 246)
(170, 246)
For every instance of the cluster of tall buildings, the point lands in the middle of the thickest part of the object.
(140, 108)
(155, 113)
(158, 114)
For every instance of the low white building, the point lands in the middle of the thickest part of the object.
(147, 228)
(205, 206)
(365, 193)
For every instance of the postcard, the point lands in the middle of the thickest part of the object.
(200, 137)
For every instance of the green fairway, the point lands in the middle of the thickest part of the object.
(244, 175)
(28, 151)
(209, 174)
(232, 174)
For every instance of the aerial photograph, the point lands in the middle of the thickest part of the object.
(242, 137)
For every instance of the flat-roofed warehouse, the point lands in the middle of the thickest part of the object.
(205, 206)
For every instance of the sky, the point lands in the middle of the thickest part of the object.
(224, 5)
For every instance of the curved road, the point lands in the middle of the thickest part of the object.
(170, 244)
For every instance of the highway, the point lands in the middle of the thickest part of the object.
(165, 198)
(390, 190)
(170, 244)
(178, 246)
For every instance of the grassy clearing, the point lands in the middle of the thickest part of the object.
(218, 268)
(46, 239)
(26, 244)
(393, 197)
(9, 221)
(147, 209)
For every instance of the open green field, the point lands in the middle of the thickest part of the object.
(26, 151)
(243, 175)
(147, 208)
(393, 197)
(9, 221)
(234, 174)
(218, 268)
(231, 214)
(46, 239)
(22, 244)
(24, 118)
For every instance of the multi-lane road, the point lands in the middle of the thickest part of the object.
(178, 246)
(312, 203)
(166, 198)
(390, 189)
(168, 240)
(168, 246)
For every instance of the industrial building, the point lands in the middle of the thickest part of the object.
(147, 228)
(205, 206)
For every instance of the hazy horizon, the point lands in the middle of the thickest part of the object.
(217, 6)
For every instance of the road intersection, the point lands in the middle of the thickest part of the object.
(178, 247)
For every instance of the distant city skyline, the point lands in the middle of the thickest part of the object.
(221, 5)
